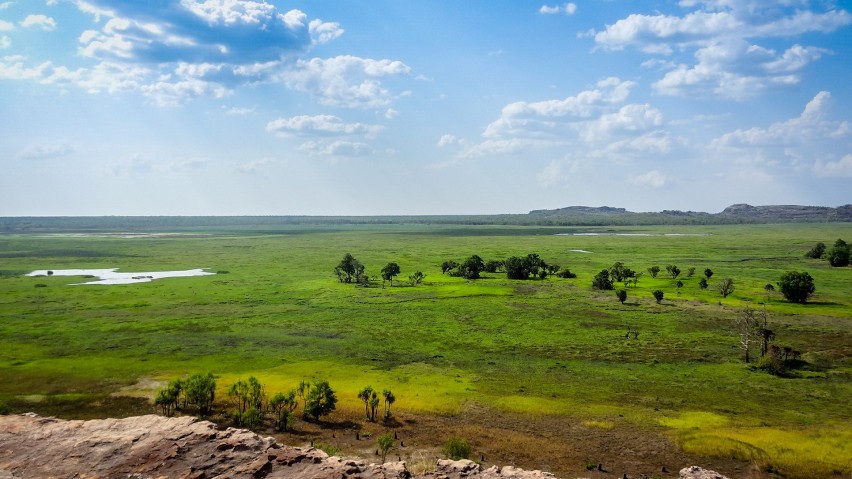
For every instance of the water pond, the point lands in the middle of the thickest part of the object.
(112, 276)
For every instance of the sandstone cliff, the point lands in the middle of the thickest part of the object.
(157, 447)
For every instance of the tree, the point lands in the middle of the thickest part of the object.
(365, 395)
(796, 286)
(389, 400)
(200, 391)
(493, 265)
(302, 391)
(282, 406)
(673, 271)
(416, 278)
(690, 272)
(516, 268)
(654, 271)
(708, 273)
(471, 267)
(726, 287)
(448, 266)
(385, 442)
(389, 271)
(619, 272)
(601, 281)
(349, 269)
(839, 255)
(658, 295)
(239, 393)
(566, 273)
(702, 283)
(168, 397)
(321, 400)
(816, 252)
(374, 405)
(748, 330)
(679, 285)
(622, 295)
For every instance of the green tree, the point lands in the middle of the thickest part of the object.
(690, 272)
(516, 268)
(708, 273)
(493, 266)
(673, 271)
(252, 418)
(282, 406)
(816, 252)
(622, 295)
(702, 283)
(385, 442)
(618, 272)
(796, 287)
(389, 400)
(838, 256)
(471, 267)
(349, 269)
(390, 271)
(365, 395)
(416, 278)
(168, 397)
(601, 281)
(448, 266)
(658, 295)
(200, 391)
(725, 287)
(654, 271)
(302, 390)
(321, 400)
(374, 405)
(239, 394)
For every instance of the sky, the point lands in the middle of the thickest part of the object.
(399, 107)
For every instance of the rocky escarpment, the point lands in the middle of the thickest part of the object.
(157, 447)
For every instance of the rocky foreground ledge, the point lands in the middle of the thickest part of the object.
(157, 447)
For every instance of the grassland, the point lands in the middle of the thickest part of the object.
(552, 348)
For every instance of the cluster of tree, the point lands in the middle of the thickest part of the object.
(371, 402)
(532, 266)
(470, 268)
(839, 255)
(752, 328)
(249, 400)
(617, 273)
(350, 270)
(197, 391)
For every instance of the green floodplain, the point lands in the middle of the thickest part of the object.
(556, 346)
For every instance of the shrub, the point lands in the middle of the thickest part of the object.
(622, 295)
(566, 273)
(658, 295)
(816, 252)
(796, 286)
(602, 281)
(252, 418)
(456, 448)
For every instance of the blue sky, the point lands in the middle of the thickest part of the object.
(233, 107)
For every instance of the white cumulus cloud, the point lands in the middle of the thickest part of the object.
(320, 124)
(568, 9)
(652, 179)
(46, 23)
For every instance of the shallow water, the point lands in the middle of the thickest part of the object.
(112, 276)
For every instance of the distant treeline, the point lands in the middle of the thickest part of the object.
(571, 216)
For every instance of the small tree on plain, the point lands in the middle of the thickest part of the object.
(658, 295)
(839, 255)
(321, 400)
(200, 391)
(673, 271)
(416, 278)
(726, 287)
(622, 295)
(748, 327)
(601, 281)
(365, 395)
(302, 390)
(816, 252)
(708, 273)
(349, 269)
(390, 271)
(282, 406)
(796, 287)
(389, 400)
(702, 283)
(654, 271)
(385, 442)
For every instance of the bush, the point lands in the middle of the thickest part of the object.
(251, 419)
(838, 256)
(456, 448)
(602, 281)
(796, 286)
(816, 252)
(566, 273)
(658, 295)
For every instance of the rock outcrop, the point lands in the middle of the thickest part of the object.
(148, 447)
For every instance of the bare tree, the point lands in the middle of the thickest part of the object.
(749, 329)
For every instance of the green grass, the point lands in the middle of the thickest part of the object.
(534, 347)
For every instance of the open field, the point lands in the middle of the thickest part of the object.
(544, 361)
